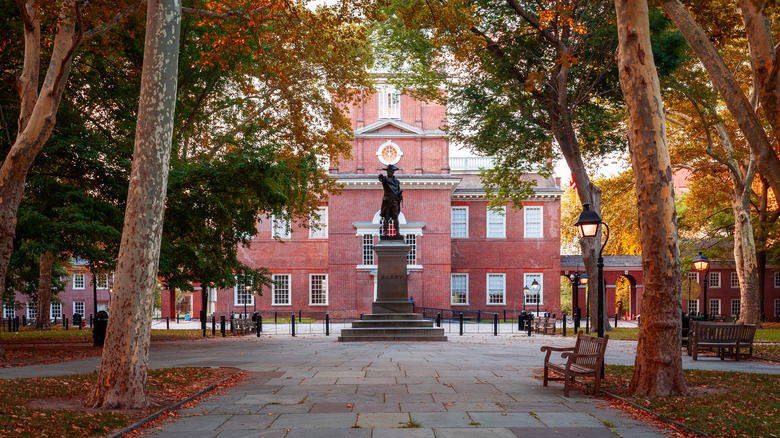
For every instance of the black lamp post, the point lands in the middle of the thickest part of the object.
(535, 287)
(525, 294)
(246, 297)
(702, 263)
(588, 224)
(577, 278)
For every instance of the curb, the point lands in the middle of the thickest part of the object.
(657, 415)
(139, 424)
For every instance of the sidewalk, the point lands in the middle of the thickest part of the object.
(314, 386)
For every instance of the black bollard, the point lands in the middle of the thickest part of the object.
(479, 316)
(299, 315)
(213, 324)
(564, 324)
(10, 325)
(495, 324)
(66, 323)
(438, 320)
(24, 320)
(203, 321)
(222, 325)
(167, 322)
(276, 313)
(361, 316)
(504, 315)
(16, 324)
(461, 323)
(528, 323)
(90, 320)
(259, 327)
(327, 324)
(177, 317)
(616, 319)
(231, 322)
(55, 321)
(292, 321)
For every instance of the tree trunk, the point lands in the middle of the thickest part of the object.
(746, 261)
(121, 382)
(740, 108)
(658, 365)
(37, 116)
(42, 320)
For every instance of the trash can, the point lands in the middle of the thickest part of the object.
(76, 319)
(255, 316)
(99, 330)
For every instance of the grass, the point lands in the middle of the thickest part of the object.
(722, 404)
(411, 424)
(19, 418)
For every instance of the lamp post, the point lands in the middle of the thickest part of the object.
(577, 278)
(535, 287)
(588, 224)
(702, 263)
(246, 297)
(525, 294)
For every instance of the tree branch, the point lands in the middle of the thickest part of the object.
(246, 15)
(114, 22)
(535, 23)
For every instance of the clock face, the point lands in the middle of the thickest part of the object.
(389, 153)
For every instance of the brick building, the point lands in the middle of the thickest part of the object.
(463, 255)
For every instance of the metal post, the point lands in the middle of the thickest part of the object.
(600, 301)
(222, 324)
(528, 320)
(504, 315)
(292, 321)
(259, 327)
(587, 312)
(66, 323)
(361, 316)
(616, 318)
(276, 314)
(90, 320)
(438, 320)
(213, 324)
(16, 324)
(479, 316)
(495, 324)
(461, 323)
(564, 324)
(299, 315)
(10, 325)
(24, 320)
(231, 322)
(203, 321)
(167, 322)
(327, 324)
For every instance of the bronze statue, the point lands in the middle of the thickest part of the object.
(391, 201)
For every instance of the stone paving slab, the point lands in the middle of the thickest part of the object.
(383, 420)
(314, 421)
(477, 432)
(504, 419)
(441, 419)
(568, 432)
(403, 433)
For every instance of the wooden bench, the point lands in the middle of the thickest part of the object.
(585, 359)
(747, 334)
(544, 325)
(244, 326)
(717, 336)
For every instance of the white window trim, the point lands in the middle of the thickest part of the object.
(289, 290)
(466, 209)
(83, 305)
(525, 221)
(697, 305)
(693, 276)
(287, 228)
(527, 282)
(322, 233)
(720, 308)
(777, 279)
(235, 297)
(731, 306)
(734, 275)
(32, 307)
(391, 109)
(460, 274)
(83, 281)
(777, 307)
(325, 286)
(713, 275)
(487, 288)
(51, 310)
(493, 213)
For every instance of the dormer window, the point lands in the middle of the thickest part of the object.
(389, 104)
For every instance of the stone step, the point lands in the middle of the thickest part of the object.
(392, 316)
(393, 331)
(379, 323)
(390, 338)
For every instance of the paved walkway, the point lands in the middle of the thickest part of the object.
(312, 386)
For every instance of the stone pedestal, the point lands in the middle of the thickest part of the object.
(392, 318)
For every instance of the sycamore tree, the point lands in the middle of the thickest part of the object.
(658, 364)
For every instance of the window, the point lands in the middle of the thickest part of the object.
(389, 104)
(459, 288)
(777, 279)
(735, 307)
(533, 297)
(734, 279)
(411, 256)
(280, 228)
(715, 307)
(9, 311)
(78, 281)
(281, 289)
(318, 289)
(777, 308)
(714, 279)
(496, 222)
(368, 249)
(459, 218)
(533, 222)
(78, 307)
(55, 310)
(241, 295)
(319, 227)
(102, 280)
(693, 307)
(32, 310)
(693, 276)
(496, 288)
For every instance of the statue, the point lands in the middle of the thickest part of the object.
(391, 201)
